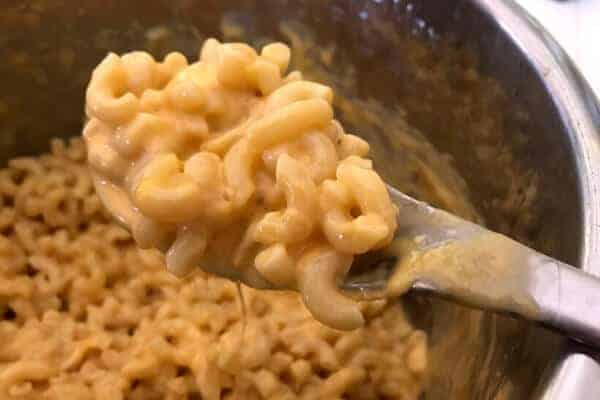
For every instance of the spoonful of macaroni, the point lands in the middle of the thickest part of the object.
(236, 166)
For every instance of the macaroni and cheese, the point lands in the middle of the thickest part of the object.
(85, 314)
(236, 166)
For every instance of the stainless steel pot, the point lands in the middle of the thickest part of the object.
(534, 115)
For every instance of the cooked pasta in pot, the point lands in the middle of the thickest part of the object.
(85, 314)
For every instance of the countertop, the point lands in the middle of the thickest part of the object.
(576, 26)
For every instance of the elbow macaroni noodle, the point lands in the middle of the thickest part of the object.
(233, 165)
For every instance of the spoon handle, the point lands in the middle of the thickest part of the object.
(463, 261)
(569, 301)
(537, 288)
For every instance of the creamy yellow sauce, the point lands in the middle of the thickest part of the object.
(487, 270)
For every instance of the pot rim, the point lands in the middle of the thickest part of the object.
(576, 375)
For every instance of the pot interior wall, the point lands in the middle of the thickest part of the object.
(455, 75)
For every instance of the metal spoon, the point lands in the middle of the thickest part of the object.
(440, 253)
